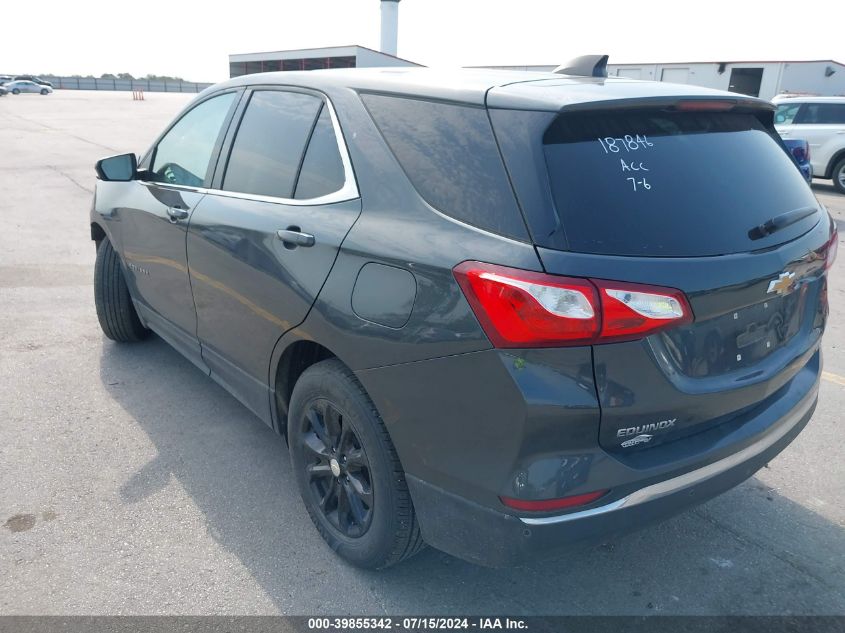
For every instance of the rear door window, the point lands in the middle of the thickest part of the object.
(822, 114)
(450, 156)
(269, 145)
(671, 184)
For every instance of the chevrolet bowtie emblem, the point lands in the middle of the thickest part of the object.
(783, 284)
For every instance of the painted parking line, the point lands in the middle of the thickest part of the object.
(831, 377)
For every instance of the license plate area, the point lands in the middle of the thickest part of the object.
(739, 339)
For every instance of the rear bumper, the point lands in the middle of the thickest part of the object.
(488, 537)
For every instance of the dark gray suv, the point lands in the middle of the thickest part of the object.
(494, 312)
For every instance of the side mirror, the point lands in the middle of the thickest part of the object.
(780, 118)
(120, 168)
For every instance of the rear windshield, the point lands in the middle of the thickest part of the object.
(671, 184)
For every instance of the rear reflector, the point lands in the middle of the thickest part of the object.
(547, 505)
(519, 308)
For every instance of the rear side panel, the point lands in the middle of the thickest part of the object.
(515, 422)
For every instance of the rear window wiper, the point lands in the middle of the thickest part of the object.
(779, 222)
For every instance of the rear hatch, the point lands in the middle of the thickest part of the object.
(694, 193)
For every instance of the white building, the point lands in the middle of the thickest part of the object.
(312, 59)
(759, 79)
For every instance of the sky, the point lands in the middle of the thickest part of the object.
(192, 39)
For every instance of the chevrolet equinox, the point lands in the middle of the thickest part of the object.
(491, 311)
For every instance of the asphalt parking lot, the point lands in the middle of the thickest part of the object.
(130, 483)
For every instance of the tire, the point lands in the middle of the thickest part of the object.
(838, 176)
(115, 310)
(328, 397)
(15, 91)
(44, 92)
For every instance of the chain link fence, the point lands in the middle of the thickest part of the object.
(147, 85)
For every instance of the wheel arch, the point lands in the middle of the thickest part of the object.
(292, 356)
(828, 172)
(98, 233)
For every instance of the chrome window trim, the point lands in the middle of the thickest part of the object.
(349, 190)
(676, 484)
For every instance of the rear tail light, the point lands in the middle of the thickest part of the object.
(519, 308)
(832, 249)
(802, 152)
(632, 310)
(546, 505)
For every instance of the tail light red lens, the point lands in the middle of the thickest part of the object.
(832, 249)
(632, 310)
(802, 152)
(547, 505)
(519, 308)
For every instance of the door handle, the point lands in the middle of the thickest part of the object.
(293, 237)
(175, 214)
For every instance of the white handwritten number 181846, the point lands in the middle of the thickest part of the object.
(629, 143)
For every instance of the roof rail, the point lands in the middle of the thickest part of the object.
(585, 66)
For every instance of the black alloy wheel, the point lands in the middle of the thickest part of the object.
(337, 469)
(839, 176)
(347, 469)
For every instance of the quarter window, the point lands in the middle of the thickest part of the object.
(450, 155)
(270, 142)
(183, 156)
(322, 168)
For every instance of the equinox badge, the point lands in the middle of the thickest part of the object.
(643, 432)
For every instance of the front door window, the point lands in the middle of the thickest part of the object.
(183, 156)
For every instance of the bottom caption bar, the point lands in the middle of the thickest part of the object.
(529, 624)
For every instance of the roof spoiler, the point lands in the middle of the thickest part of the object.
(585, 66)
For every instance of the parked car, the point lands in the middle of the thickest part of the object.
(800, 150)
(821, 121)
(496, 312)
(17, 87)
(37, 80)
(5, 79)
(3, 91)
